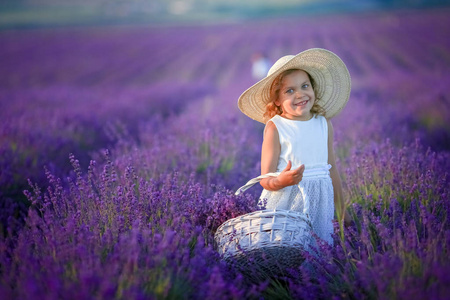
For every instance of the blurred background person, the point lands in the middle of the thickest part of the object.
(260, 65)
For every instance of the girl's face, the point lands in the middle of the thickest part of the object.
(296, 96)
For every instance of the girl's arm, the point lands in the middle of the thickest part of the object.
(336, 179)
(270, 154)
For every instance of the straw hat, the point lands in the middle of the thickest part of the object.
(332, 82)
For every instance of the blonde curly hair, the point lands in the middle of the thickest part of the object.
(272, 109)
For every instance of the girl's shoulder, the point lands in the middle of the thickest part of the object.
(274, 118)
(322, 119)
(271, 131)
(274, 121)
(270, 125)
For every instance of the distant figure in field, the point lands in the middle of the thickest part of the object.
(296, 101)
(260, 66)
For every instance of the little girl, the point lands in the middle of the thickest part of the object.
(296, 101)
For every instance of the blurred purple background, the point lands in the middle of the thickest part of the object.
(148, 89)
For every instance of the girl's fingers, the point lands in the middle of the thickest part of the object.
(300, 169)
(288, 166)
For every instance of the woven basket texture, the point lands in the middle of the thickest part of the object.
(268, 239)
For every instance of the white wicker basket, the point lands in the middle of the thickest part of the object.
(272, 239)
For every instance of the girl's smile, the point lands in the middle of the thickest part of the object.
(302, 103)
(296, 97)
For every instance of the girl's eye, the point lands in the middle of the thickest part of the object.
(305, 86)
(289, 91)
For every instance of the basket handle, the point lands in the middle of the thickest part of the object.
(254, 181)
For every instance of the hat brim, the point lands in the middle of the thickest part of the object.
(332, 83)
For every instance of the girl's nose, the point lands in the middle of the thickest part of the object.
(299, 94)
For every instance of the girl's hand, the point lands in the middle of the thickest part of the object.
(289, 177)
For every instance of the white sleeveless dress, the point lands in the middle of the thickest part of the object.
(305, 142)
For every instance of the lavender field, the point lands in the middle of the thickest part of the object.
(121, 149)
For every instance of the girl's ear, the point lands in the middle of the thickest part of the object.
(277, 103)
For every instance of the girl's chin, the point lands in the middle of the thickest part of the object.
(303, 111)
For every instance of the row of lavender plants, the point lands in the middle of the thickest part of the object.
(154, 164)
